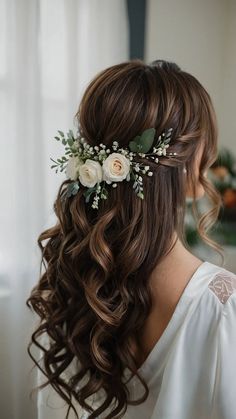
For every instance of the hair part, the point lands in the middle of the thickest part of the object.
(94, 295)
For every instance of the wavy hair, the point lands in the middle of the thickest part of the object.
(94, 295)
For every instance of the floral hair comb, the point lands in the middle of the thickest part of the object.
(96, 166)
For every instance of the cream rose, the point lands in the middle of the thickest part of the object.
(90, 173)
(72, 168)
(115, 167)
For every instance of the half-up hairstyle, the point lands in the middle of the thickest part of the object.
(94, 296)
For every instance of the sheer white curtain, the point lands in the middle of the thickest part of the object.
(49, 50)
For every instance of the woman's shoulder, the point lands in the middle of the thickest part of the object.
(223, 288)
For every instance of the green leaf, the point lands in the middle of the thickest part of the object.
(70, 141)
(132, 175)
(54, 161)
(57, 138)
(75, 189)
(64, 141)
(61, 133)
(147, 139)
(72, 189)
(133, 146)
(87, 196)
(143, 143)
(88, 192)
(70, 134)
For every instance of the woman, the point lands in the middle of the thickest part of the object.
(133, 325)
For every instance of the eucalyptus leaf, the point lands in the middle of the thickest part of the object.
(88, 192)
(133, 146)
(72, 189)
(147, 138)
(143, 143)
(75, 188)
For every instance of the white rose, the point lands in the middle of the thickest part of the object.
(72, 168)
(115, 167)
(90, 173)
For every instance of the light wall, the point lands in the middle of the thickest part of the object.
(199, 35)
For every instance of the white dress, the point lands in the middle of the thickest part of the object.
(191, 371)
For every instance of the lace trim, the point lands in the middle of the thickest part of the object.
(223, 285)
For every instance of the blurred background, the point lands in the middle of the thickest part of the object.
(49, 51)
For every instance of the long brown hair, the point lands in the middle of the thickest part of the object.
(94, 295)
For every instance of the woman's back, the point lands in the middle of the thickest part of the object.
(191, 368)
(168, 282)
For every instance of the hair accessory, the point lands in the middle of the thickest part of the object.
(93, 166)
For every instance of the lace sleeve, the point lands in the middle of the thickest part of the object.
(224, 395)
(223, 285)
